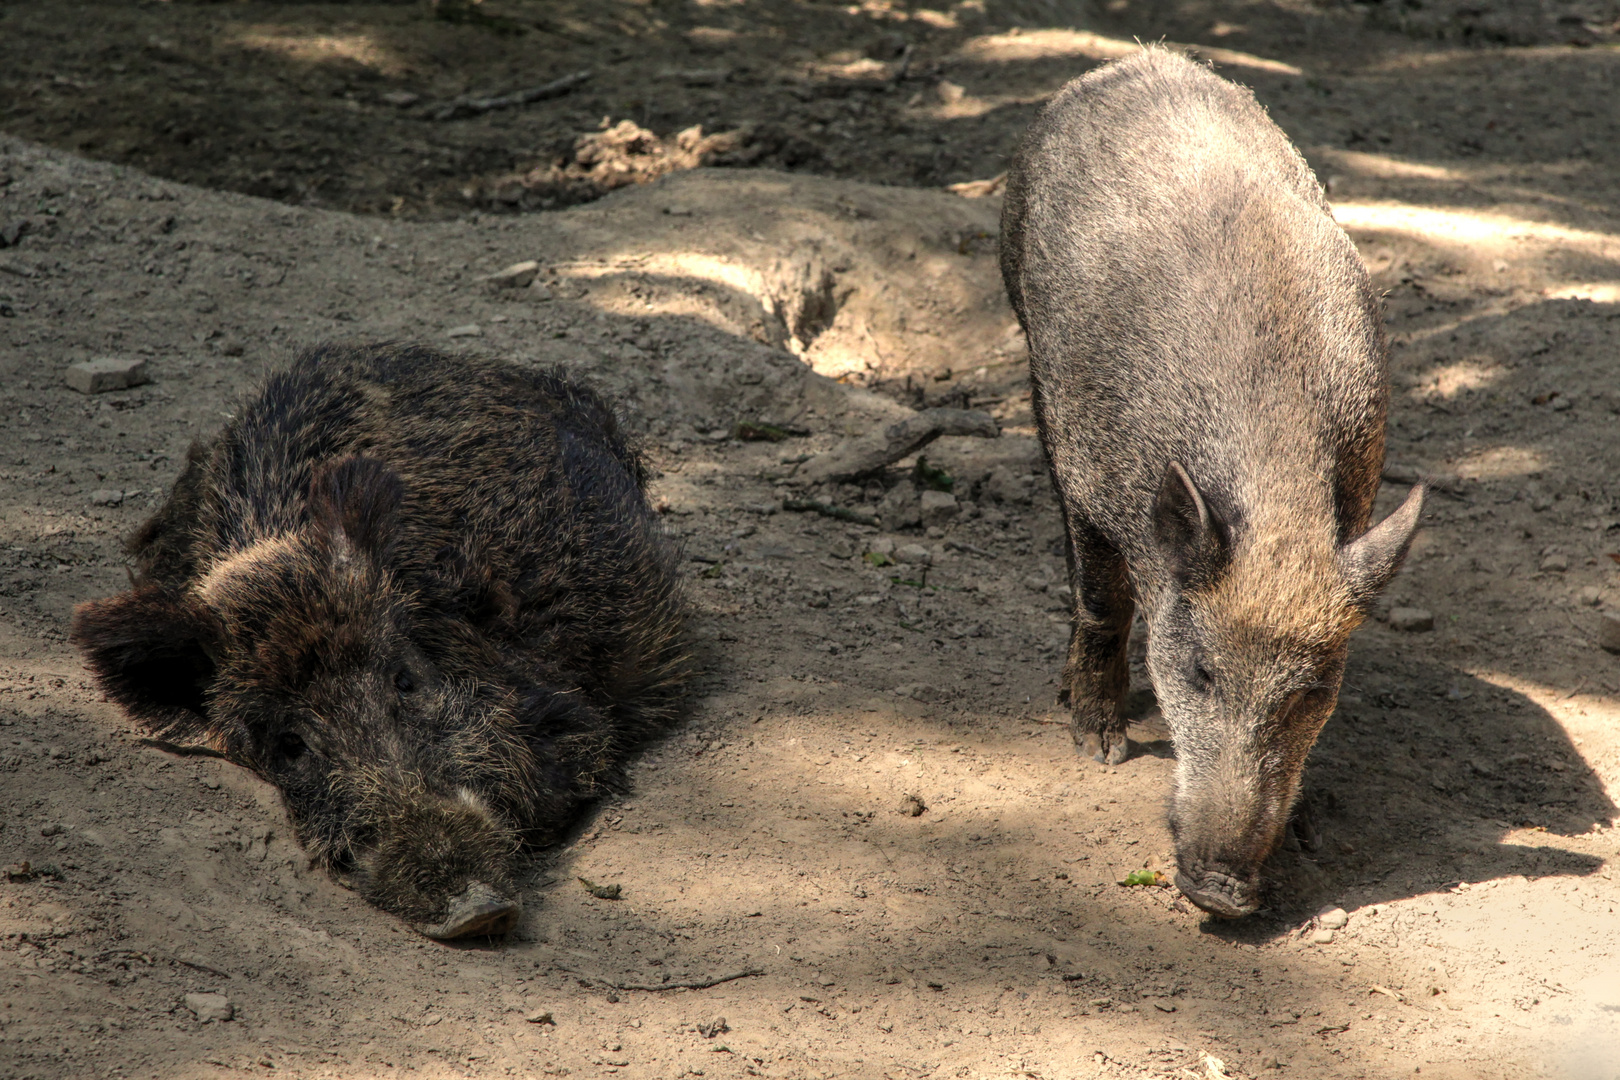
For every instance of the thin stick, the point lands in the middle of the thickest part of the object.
(859, 517)
(695, 984)
(474, 106)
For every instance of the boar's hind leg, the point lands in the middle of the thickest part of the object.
(1097, 673)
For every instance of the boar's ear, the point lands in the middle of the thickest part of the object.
(1193, 538)
(359, 497)
(1370, 561)
(151, 651)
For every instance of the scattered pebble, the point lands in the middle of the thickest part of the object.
(52, 829)
(210, 1006)
(470, 330)
(938, 507)
(105, 373)
(1555, 562)
(541, 1018)
(912, 806)
(106, 497)
(717, 1026)
(1590, 596)
(401, 99)
(1322, 937)
(1411, 619)
(1332, 918)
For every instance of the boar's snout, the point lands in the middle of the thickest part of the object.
(441, 863)
(1220, 893)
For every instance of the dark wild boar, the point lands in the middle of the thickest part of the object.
(1210, 381)
(423, 597)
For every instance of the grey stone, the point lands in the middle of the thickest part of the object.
(937, 507)
(1609, 631)
(1555, 562)
(211, 1006)
(914, 554)
(401, 99)
(106, 497)
(1411, 619)
(900, 508)
(517, 276)
(883, 545)
(1590, 596)
(1322, 937)
(105, 373)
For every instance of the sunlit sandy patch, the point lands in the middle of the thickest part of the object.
(1057, 44)
(1385, 167)
(1448, 380)
(1481, 230)
(1500, 462)
(1599, 292)
(322, 48)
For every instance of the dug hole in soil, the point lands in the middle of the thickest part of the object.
(875, 809)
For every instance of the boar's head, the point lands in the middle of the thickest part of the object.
(1248, 640)
(297, 655)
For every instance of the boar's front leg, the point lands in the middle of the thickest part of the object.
(1097, 673)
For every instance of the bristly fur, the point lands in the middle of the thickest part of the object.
(1210, 380)
(425, 597)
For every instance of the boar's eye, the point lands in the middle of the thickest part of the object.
(403, 681)
(291, 747)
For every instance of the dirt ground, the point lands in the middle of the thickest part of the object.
(818, 277)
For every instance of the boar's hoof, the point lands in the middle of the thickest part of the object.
(1219, 894)
(1108, 747)
(477, 911)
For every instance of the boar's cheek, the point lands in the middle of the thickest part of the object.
(151, 652)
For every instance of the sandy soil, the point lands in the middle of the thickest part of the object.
(1464, 795)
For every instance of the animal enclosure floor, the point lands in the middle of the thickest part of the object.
(875, 804)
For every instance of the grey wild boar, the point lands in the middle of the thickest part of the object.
(423, 597)
(1210, 381)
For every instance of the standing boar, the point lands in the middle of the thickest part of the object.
(423, 597)
(1210, 380)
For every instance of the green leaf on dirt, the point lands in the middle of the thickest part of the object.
(601, 892)
(929, 477)
(877, 558)
(1146, 877)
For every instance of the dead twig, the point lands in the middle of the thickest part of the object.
(183, 749)
(958, 545)
(691, 984)
(875, 452)
(859, 517)
(463, 107)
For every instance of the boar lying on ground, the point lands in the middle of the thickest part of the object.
(423, 597)
(1210, 381)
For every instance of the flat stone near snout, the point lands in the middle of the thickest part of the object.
(477, 911)
(105, 373)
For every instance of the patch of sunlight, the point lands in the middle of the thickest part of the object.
(322, 48)
(1384, 166)
(1500, 462)
(1057, 44)
(1449, 380)
(1599, 292)
(1480, 229)
(674, 264)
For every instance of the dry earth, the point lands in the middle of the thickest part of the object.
(1464, 795)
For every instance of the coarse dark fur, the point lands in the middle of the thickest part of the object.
(1210, 382)
(424, 597)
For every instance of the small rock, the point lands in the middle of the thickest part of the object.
(52, 829)
(1609, 631)
(401, 99)
(1036, 583)
(105, 373)
(949, 93)
(1555, 562)
(937, 507)
(1411, 619)
(106, 497)
(901, 507)
(883, 545)
(470, 330)
(1322, 937)
(717, 1026)
(912, 806)
(519, 275)
(913, 554)
(539, 291)
(1590, 596)
(207, 1007)
(541, 1018)
(1332, 918)
(1562, 403)
(13, 231)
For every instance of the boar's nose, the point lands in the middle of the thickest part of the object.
(476, 911)
(1220, 894)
